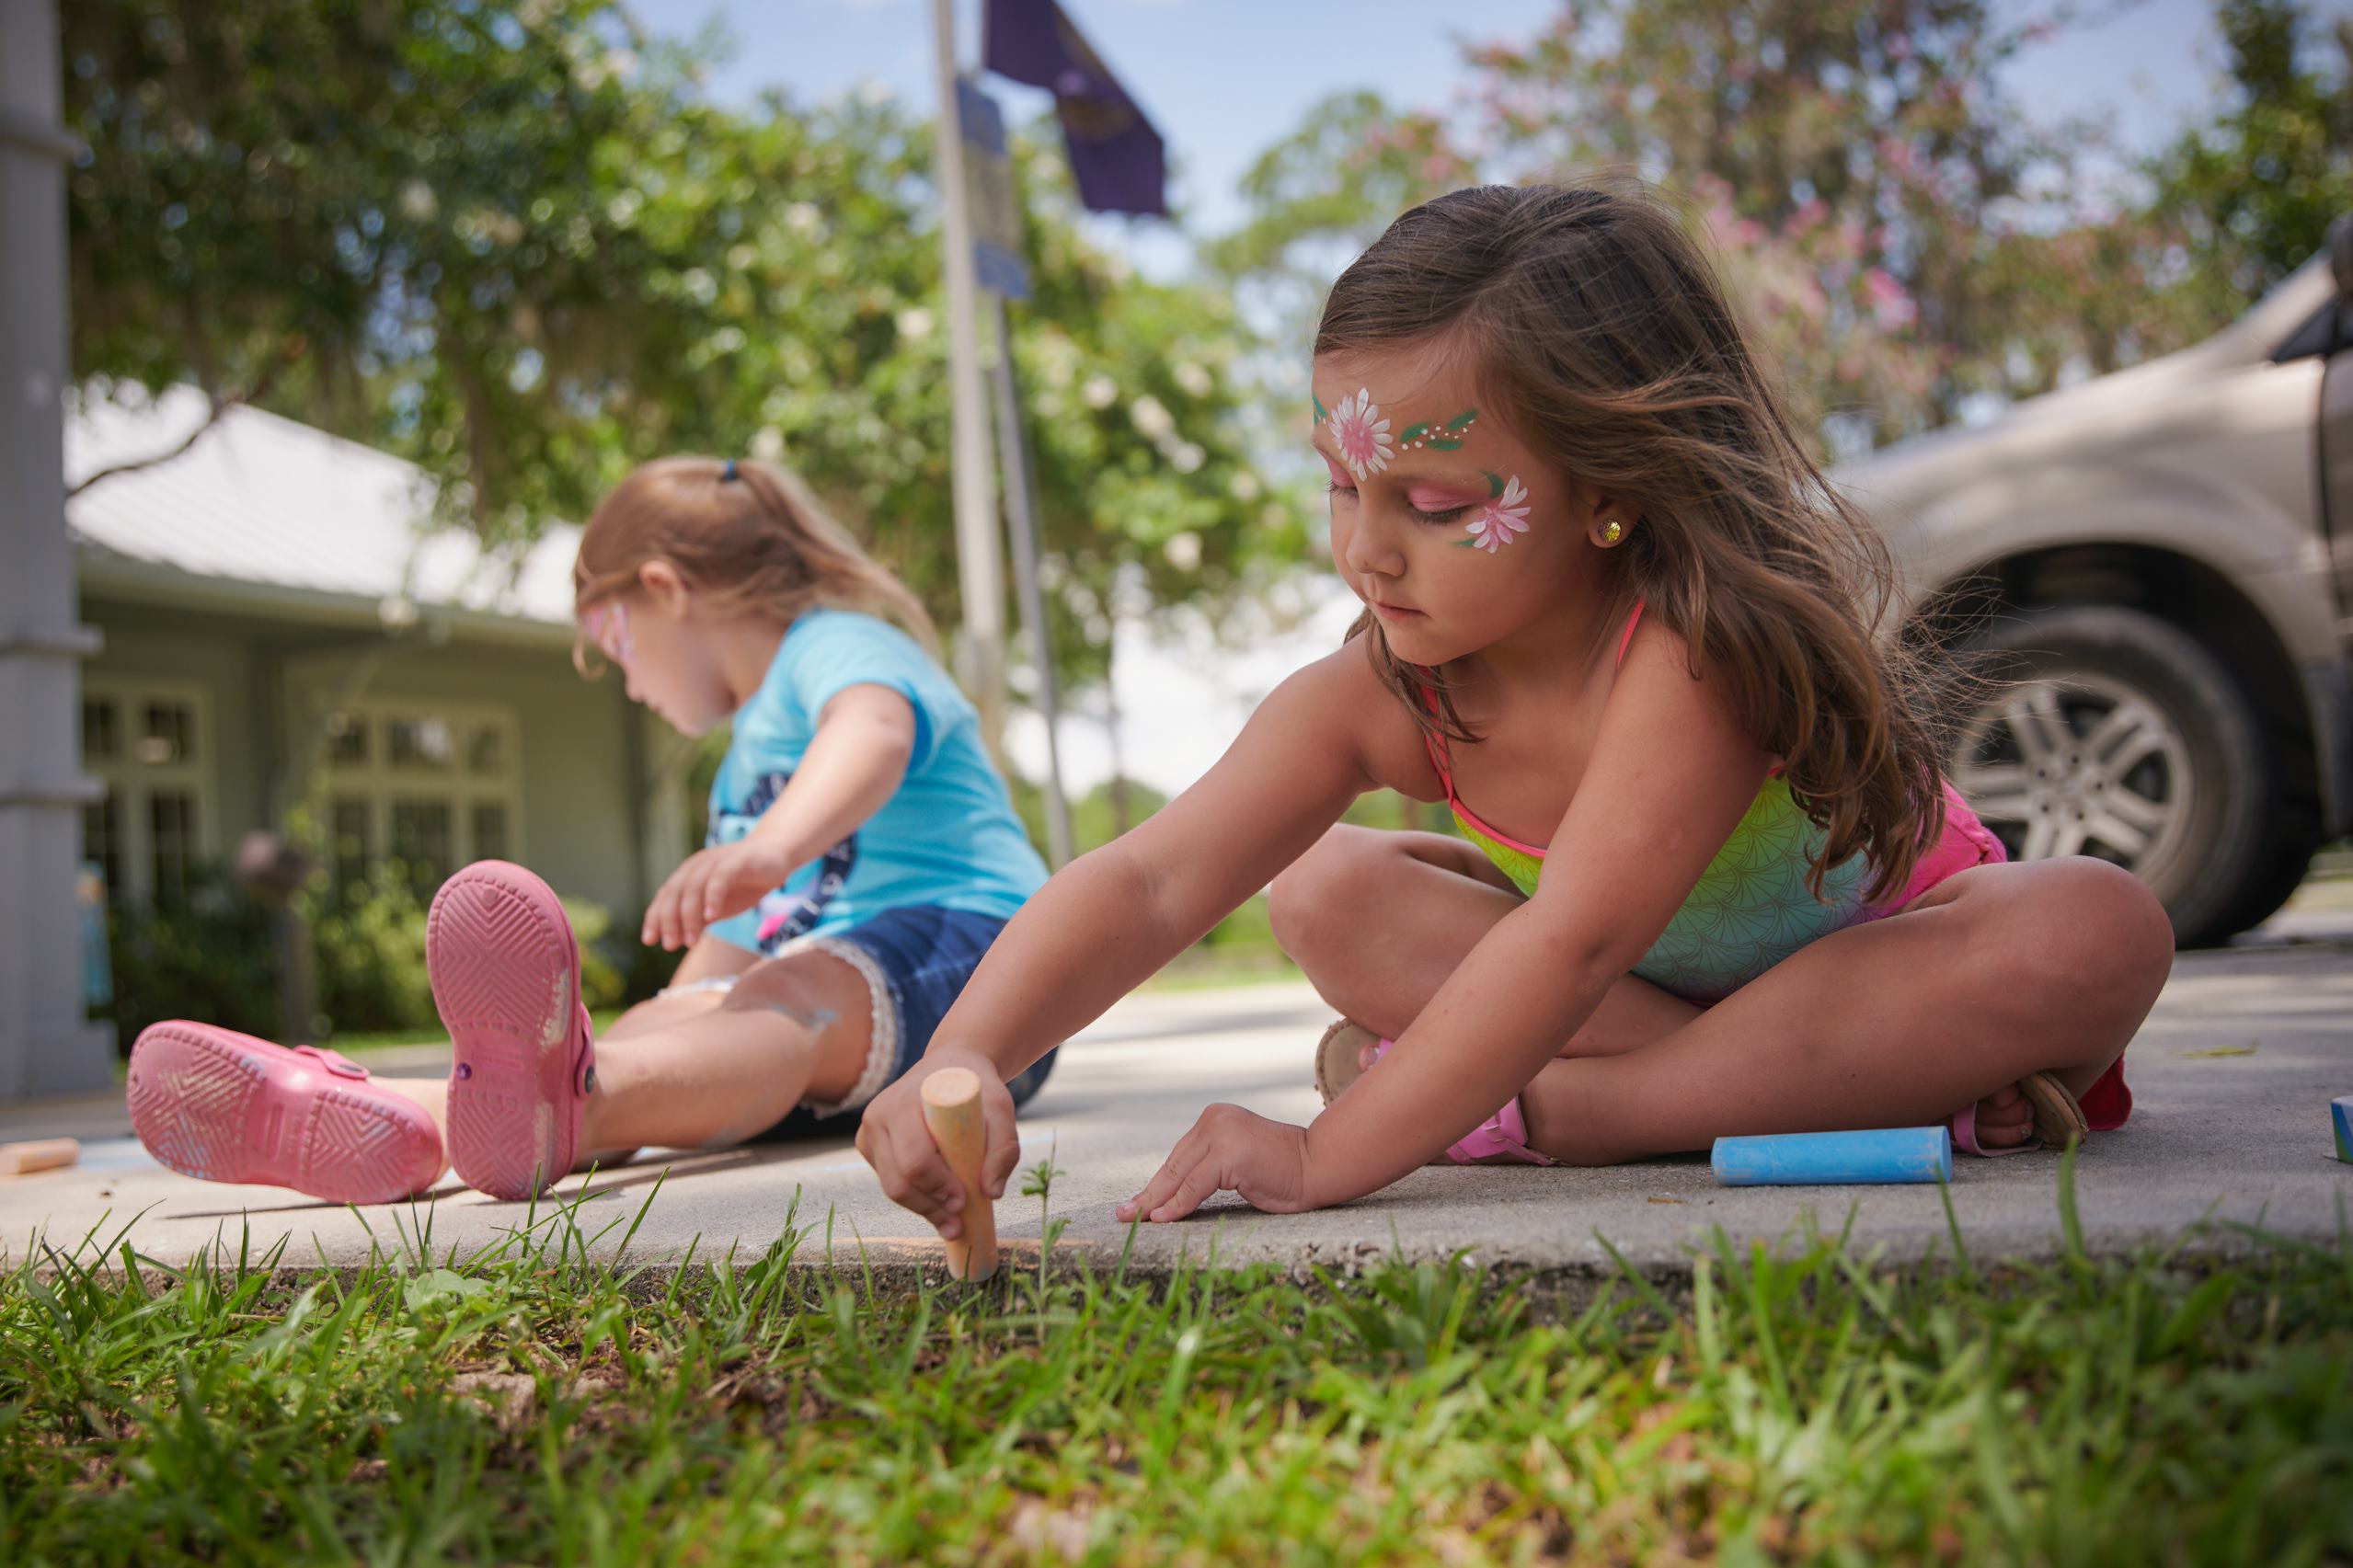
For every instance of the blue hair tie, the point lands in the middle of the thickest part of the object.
(727, 475)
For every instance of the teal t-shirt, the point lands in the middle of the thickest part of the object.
(949, 835)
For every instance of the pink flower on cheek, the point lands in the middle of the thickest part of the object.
(1501, 519)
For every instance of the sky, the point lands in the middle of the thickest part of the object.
(1222, 80)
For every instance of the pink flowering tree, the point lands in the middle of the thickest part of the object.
(1908, 241)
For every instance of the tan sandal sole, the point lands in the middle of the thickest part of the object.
(1336, 1069)
(1335, 1057)
(2058, 1119)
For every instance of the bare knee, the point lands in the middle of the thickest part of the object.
(784, 990)
(663, 1011)
(1313, 897)
(2092, 948)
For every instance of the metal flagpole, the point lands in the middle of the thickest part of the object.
(1021, 517)
(980, 576)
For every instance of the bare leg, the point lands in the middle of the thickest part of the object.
(1435, 897)
(1998, 972)
(708, 1069)
(653, 1014)
(794, 1028)
(1438, 895)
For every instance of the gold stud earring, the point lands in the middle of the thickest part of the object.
(1612, 532)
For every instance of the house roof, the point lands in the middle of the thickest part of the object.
(271, 516)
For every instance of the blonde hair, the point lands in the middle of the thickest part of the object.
(1607, 342)
(748, 534)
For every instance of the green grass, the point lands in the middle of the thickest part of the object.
(527, 1404)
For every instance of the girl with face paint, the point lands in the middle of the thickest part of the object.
(1709, 879)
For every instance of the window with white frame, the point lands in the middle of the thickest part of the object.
(428, 785)
(150, 744)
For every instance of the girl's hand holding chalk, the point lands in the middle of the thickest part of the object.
(895, 1137)
(952, 1112)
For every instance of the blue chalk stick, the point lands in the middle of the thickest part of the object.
(2341, 1112)
(1836, 1159)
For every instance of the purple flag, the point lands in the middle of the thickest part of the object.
(1116, 155)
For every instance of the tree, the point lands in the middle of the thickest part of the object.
(2247, 200)
(1906, 237)
(1325, 191)
(509, 240)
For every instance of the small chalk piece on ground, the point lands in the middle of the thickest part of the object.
(1885, 1155)
(48, 1154)
(2341, 1112)
(952, 1111)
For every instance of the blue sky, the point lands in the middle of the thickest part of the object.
(1224, 78)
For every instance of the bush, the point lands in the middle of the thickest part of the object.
(368, 946)
(211, 955)
(369, 942)
(602, 984)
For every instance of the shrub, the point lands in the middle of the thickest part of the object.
(368, 946)
(210, 955)
(602, 984)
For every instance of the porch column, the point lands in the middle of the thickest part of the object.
(46, 1047)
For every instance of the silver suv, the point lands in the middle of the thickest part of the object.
(2162, 562)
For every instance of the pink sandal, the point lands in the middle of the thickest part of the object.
(506, 976)
(222, 1106)
(2058, 1119)
(1502, 1139)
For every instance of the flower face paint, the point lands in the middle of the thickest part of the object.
(1503, 518)
(1360, 433)
(607, 625)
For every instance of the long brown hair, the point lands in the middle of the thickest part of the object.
(1604, 338)
(748, 533)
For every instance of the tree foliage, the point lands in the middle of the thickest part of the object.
(2246, 201)
(1907, 238)
(511, 240)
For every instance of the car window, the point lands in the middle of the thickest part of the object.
(2325, 331)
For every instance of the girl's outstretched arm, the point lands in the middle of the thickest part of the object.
(1673, 772)
(1110, 919)
(853, 766)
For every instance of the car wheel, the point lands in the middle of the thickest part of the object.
(2107, 732)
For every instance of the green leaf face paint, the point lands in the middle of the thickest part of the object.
(1447, 436)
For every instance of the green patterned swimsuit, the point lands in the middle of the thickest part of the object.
(1750, 908)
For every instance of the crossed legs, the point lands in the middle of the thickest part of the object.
(1999, 971)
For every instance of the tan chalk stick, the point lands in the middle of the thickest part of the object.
(48, 1154)
(952, 1111)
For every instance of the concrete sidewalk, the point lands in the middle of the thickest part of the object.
(2233, 1077)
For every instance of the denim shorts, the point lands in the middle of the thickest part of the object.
(915, 962)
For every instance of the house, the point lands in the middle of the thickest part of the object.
(280, 634)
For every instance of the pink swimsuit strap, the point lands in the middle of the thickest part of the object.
(1434, 743)
(1626, 641)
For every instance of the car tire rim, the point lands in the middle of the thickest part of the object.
(2080, 765)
